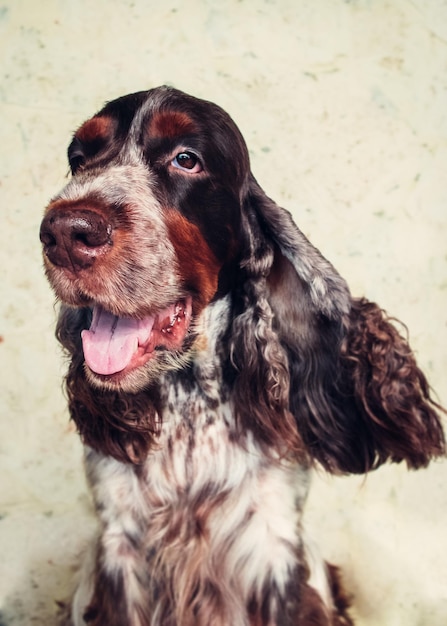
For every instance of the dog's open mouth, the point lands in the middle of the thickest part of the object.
(115, 344)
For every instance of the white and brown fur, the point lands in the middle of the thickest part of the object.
(199, 460)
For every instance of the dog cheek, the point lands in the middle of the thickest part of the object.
(198, 266)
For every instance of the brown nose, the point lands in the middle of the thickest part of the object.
(74, 238)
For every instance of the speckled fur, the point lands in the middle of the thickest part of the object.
(199, 460)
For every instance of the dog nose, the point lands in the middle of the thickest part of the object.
(75, 238)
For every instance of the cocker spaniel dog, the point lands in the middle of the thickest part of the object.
(215, 356)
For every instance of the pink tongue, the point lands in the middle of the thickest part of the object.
(112, 341)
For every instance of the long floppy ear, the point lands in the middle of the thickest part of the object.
(347, 376)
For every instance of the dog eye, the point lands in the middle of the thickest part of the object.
(188, 162)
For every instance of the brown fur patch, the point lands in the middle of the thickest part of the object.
(198, 266)
(95, 128)
(81, 204)
(313, 612)
(171, 124)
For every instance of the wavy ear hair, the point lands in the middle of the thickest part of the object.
(318, 367)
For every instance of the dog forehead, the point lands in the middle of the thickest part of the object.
(169, 113)
(163, 118)
(161, 112)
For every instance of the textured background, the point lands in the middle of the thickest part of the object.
(343, 106)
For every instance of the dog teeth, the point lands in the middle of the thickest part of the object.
(175, 318)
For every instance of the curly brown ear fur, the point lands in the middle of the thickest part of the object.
(261, 387)
(380, 370)
(115, 423)
(351, 380)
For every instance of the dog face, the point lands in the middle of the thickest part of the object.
(147, 230)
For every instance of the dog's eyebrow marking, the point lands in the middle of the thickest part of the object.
(171, 124)
(98, 127)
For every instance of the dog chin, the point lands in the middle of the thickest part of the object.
(135, 380)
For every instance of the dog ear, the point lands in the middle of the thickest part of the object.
(337, 364)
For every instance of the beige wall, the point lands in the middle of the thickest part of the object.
(344, 108)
